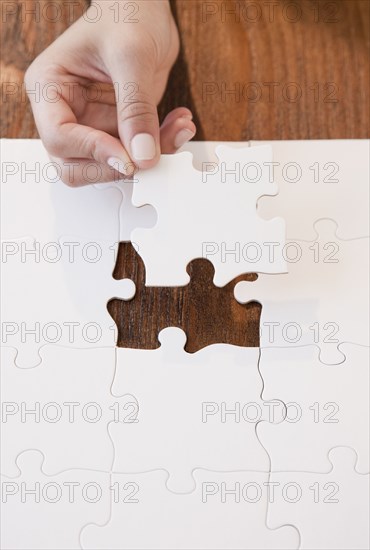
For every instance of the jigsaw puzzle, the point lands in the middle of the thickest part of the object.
(210, 214)
(159, 448)
(323, 299)
(194, 308)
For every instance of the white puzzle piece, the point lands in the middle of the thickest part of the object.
(204, 152)
(330, 510)
(327, 406)
(225, 511)
(323, 299)
(56, 293)
(208, 214)
(196, 410)
(48, 512)
(61, 407)
(320, 179)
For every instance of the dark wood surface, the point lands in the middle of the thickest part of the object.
(265, 72)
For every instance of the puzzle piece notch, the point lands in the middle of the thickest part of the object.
(330, 509)
(58, 295)
(62, 408)
(208, 518)
(217, 316)
(187, 402)
(327, 406)
(317, 177)
(42, 512)
(176, 189)
(301, 307)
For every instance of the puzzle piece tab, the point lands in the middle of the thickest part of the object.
(209, 214)
(327, 406)
(323, 299)
(212, 311)
(130, 217)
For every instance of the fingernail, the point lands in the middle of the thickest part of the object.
(143, 147)
(127, 168)
(182, 137)
(187, 116)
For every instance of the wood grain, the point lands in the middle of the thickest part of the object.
(297, 73)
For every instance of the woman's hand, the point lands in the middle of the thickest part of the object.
(99, 86)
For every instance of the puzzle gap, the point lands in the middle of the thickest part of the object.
(207, 314)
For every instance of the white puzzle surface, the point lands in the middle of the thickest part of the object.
(329, 508)
(327, 406)
(119, 448)
(322, 179)
(225, 511)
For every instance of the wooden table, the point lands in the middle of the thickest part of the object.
(262, 69)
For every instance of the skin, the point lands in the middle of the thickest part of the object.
(108, 77)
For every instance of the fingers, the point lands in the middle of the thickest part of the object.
(64, 138)
(176, 130)
(78, 172)
(85, 153)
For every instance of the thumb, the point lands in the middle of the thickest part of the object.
(138, 123)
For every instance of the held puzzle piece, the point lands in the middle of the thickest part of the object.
(57, 293)
(225, 511)
(330, 509)
(196, 410)
(39, 511)
(61, 407)
(327, 406)
(320, 179)
(210, 214)
(194, 306)
(323, 299)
